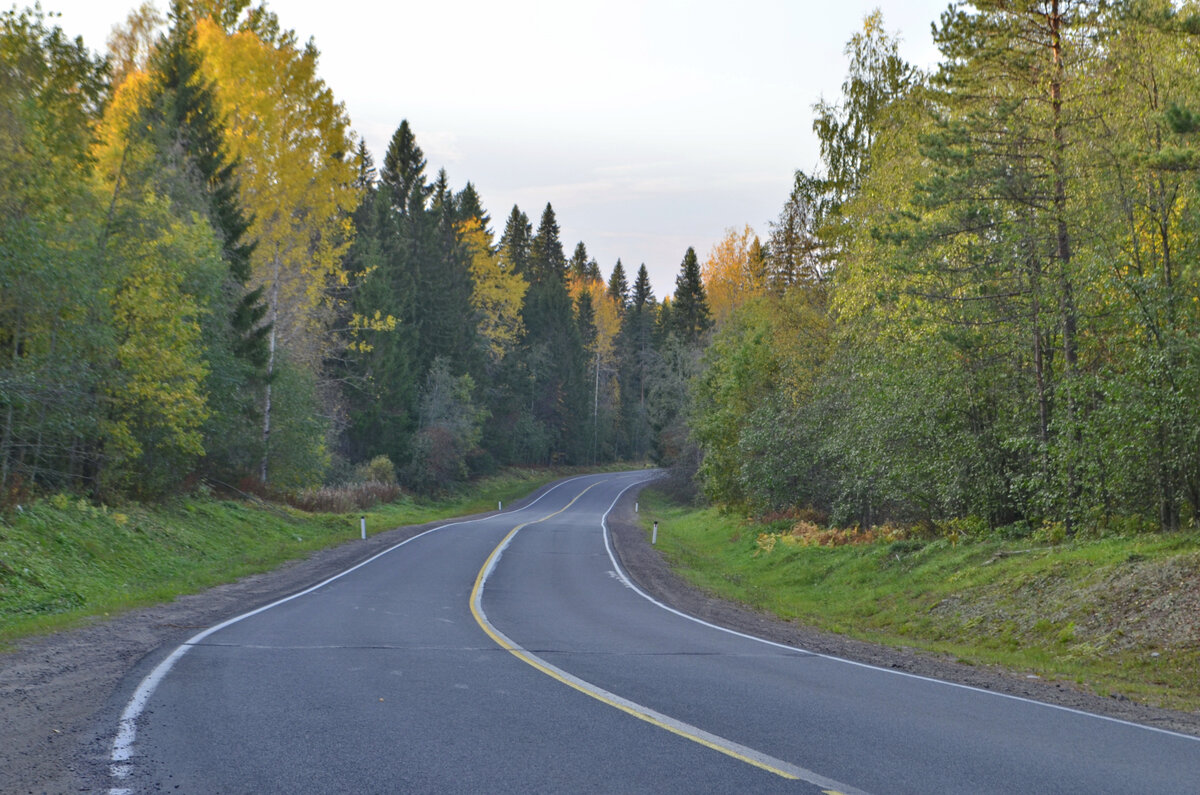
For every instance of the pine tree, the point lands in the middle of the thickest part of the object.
(1000, 179)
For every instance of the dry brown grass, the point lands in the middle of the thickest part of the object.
(344, 499)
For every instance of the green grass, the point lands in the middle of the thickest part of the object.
(1114, 615)
(64, 560)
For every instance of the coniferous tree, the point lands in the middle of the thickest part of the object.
(468, 205)
(636, 351)
(545, 250)
(192, 153)
(1000, 179)
(515, 242)
(403, 172)
(392, 225)
(690, 317)
(445, 325)
(618, 287)
(578, 266)
(553, 352)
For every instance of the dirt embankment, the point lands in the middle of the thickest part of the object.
(60, 695)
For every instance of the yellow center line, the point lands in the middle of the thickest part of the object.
(727, 747)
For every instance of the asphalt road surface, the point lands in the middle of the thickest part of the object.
(511, 654)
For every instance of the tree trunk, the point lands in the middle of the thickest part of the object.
(274, 309)
(1063, 255)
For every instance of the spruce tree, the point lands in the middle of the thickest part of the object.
(689, 308)
(515, 242)
(190, 165)
(186, 106)
(579, 263)
(585, 319)
(468, 205)
(546, 256)
(444, 293)
(553, 351)
(636, 349)
(618, 287)
(642, 292)
(403, 172)
(394, 226)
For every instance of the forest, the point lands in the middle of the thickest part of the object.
(980, 311)
(208, 280)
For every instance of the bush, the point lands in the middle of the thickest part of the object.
(379, 469)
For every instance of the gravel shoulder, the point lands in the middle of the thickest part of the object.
(61, 694)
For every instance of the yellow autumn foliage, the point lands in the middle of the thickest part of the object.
(734, 272)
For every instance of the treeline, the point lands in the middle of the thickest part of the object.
(205, 277)
(983, 309)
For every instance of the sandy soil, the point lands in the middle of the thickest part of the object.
(61, 695)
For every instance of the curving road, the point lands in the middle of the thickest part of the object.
(511, 654)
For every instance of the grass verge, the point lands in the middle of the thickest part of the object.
(63, 560)
(1119, 616)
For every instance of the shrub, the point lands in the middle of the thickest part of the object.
(379, 469)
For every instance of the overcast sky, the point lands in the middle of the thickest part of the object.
(650, 126)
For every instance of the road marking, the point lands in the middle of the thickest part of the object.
(797, 650)
(122, 747)
(687, 731)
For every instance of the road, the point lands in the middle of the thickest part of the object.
(511, 654)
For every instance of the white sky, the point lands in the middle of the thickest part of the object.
(650, 126)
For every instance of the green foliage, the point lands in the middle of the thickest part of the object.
(999, 277)
(298, 445)
(64, 558)
(157, 402)
(56, 338)
(204, 277)
(449, 431)
(1089, 611)
(690, 317)
(379, 469)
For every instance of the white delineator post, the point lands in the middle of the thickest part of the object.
(654, 535)
(363, 524)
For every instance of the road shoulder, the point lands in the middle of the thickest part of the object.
(650, 571)
(59, 694)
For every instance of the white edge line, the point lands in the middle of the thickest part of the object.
(803, 774)
(122, 747)
(629, 582)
